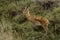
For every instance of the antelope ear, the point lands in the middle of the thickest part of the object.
(26, 8)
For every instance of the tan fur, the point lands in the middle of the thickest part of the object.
(34, 19)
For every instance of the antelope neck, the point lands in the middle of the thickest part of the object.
(28, 15)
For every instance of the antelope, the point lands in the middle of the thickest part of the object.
(36, 19)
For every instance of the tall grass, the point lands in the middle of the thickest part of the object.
(15, 26)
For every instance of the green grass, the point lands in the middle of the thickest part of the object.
(19, 28)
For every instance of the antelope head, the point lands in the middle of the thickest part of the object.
(26, 11)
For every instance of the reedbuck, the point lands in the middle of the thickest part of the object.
(36, 19)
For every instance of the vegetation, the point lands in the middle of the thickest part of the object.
(15, 26)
